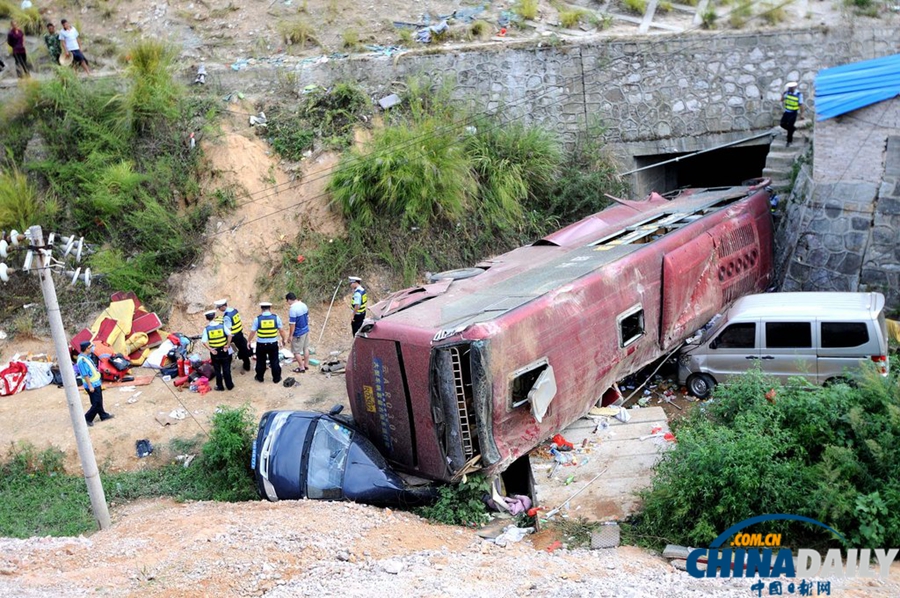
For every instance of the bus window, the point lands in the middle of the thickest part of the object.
(631, 326)
(535, 384)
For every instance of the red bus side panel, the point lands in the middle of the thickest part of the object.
(691, 292)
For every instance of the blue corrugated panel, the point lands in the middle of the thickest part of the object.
(848, 87)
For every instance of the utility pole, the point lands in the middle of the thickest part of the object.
(82, 438)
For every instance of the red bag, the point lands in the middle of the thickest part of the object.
(12, 379)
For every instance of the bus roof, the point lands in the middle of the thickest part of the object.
(521, 275)
(807, 305)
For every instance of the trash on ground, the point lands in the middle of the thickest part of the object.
(143, 448)
(389, 101)
(512, 534)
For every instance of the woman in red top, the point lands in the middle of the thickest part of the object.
(16, 39)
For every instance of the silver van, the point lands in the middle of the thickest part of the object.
(822, 337)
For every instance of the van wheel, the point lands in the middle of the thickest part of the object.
(701, 385)
(455, 274)
(840, 380)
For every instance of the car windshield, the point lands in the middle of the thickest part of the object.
(327, 460)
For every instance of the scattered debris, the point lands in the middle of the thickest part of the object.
(512, 534)
(143, 448)
(389, 101)
(201, 75)
(608, 536)
(259, 121)
(424, 36)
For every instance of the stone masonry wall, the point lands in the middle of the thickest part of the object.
(653, 90)
(846, 235)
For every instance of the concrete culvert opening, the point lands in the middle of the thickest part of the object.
(719, 168)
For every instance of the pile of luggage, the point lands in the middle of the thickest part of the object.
(123, 335)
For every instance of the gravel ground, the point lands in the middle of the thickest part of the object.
(162, 548)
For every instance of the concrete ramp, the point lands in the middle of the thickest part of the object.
(618, 448)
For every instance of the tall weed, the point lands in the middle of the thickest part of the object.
(21, 205)
(226, 455)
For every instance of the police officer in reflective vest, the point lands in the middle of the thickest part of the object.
(237, 330)
(217, 338)
(90, 378)
(358, 303)
(793, 106)
(267, 328)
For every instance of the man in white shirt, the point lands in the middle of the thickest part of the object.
(69, 38)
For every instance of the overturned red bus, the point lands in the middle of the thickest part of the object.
(475, 370)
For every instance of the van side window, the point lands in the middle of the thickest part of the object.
(837, 335)
(737, 336)
(631, 326)
(788, 335)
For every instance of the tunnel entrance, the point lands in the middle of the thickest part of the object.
(719, 168)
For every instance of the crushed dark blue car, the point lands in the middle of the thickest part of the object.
(304, 454)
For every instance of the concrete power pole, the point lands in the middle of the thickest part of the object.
(82, 438)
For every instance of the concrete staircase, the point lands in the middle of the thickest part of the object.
(780, 159)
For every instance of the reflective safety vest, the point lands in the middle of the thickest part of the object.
(792, 102)
(266, 326)
(215, 333)
(95, 373)
(236, 325)
(362, 297)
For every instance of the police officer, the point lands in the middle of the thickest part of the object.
(90, 377)
(232, 320)
(267, 328)
(217, 338)
(793, 106)
(358, 303)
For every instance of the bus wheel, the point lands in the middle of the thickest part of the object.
(455, 274)
(700, 385)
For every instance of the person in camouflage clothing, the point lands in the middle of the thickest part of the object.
(52, 41)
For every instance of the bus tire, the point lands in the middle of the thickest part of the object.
(460, 274)
(700, 385)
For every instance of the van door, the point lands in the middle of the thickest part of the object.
(843, 345)
(788, 350)
(733, 351)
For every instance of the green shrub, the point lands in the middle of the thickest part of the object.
(405, 37)
(709, 17)
(153, 94)
(527, 9)
(514, 165)
(831, 454)
(414, 172)
(226, 455)
(461, 504)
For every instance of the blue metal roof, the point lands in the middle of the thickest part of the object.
(848, 87)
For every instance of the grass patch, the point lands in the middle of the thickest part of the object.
(21, 205)
(739, 15)
(481, 30)
(572, 18)
(526, 9)
(709, 17)
(773, 14)
(831, 454)
(350, 39)
(326, 116)
(635, 6)
(298, 32)
(40, 499)
(116, 162)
